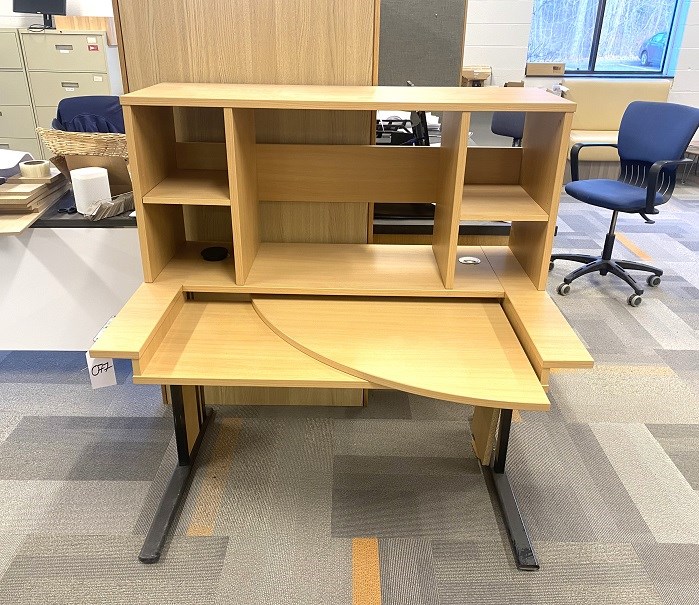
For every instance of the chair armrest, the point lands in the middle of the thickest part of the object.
(575, 152)
(654, 175)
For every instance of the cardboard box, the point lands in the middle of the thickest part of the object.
(475, 73)
(545, 69)
(117, 169)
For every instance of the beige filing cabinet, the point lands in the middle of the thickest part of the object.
(17, 120)
(64, 64)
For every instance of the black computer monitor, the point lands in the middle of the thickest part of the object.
(47, 8)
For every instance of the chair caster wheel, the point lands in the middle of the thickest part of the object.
(653, 281)
(634, 300)
(550, 265)
(563, 289)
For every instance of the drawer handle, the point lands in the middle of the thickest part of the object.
(70, 85)
(60, 47)
(4, 145)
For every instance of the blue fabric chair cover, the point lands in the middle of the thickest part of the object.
(508, 124)
(90, 114)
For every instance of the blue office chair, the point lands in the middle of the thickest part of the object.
(652, 140)
(509, 124)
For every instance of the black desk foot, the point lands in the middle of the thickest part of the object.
(177, 487)
(522, 548)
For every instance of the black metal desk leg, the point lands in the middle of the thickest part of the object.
(525, 558)
(177, 487)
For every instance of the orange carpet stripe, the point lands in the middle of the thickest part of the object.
(208, 500)
(633, 247)
(366, 574)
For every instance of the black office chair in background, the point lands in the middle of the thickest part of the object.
(653, 138)
(509, 124)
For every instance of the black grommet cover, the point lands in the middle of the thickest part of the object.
(215, 253)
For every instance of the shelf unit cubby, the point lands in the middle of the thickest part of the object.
(174, 179)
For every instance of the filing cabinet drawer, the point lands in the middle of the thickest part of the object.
(28, 145)
(45, 116)
(65, 52)
(14, 89)
(10, 57)
(49, 88)
(17, 122)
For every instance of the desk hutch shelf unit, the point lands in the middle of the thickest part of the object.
(306, 315)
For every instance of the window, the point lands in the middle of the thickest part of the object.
(603, 36)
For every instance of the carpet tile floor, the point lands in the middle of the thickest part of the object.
(383, 504)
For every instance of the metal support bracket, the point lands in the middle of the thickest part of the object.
(176, 490)
(522, 548)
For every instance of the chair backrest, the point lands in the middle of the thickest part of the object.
(652, 132)
(508, 124)
(90, 114)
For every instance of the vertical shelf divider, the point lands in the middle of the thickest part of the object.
(545, 148)
(451, 185)
(150, 134)
(242, 178)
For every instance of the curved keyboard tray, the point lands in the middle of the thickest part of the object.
(465, 351)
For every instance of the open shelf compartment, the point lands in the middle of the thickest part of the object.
(335, 270)
(164, 174)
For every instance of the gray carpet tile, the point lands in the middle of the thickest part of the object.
(97, 569)
(8, 422)
(667, 503)
(9, 545)
(624, 393)
(681, 444)
(70, 507)
(673, 568)
(402, 438)
(560, 492)
(84, 448)
(407, 572)
(43, 399)
(480, 573)
(403, 497)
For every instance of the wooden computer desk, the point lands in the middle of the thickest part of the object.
(348, 317)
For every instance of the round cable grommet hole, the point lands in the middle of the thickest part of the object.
(215, 253)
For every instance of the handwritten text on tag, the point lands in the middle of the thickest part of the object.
(101, 371)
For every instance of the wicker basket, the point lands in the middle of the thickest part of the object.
(62, 143)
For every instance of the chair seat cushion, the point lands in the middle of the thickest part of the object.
(613, 195)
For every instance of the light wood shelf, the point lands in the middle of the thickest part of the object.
(499, 203)
(227, 344)
(348, 98)
(192, 188)
(333, 269)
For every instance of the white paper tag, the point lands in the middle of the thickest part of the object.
(101, 371)
(63, 51)
(98, 78)
(91, 40)
(70, 89)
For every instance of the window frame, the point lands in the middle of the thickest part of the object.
(660, 72)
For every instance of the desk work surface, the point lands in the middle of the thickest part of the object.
(227, 344)
(465, 352)
(357, 98)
